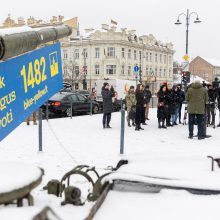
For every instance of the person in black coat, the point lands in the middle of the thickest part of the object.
(107, 95)
(139, 118)
(161, 107)
(147, 98)
(176, 102)
(170, 104)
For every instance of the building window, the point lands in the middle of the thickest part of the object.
(97, 52)
(65, 70)
(156, 71)
(85, 53)
(160, 72)
(123, 52)
(129, 53)
(165, 59)
(97, 69)
(170, 72)
(122, 70)
(151, 71)
(150, 57)
(76, 54)
(76, 71)
(111, 69)
(165, 72)
(135, 54)
(170, 60)
(129, 70)
(147, 71)
(111, 52)
(147, 56)
(156, 57)
(161, 58)
(65, 54)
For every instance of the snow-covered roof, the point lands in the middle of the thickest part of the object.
(214, 62)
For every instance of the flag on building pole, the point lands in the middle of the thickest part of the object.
(114, 22)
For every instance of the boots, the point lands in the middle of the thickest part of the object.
(129, 124)
(159, 124)
(218, 125)
(163, 126)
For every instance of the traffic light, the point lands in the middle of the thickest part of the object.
(185, 77)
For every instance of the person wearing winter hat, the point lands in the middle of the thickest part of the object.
(131, 106)
(107, 95)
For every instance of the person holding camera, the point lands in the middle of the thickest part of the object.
(107, 95)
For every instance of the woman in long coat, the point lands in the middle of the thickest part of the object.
(107, 95)
(139, 107)
(161, 108)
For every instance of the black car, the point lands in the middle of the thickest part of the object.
(60, 104)
(86, 93)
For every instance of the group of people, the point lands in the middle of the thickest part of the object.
(170, 100)
(137, 104)
(200, 101)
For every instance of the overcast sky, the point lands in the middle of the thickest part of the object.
(155, 17)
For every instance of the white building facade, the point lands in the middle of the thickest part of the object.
(110, 54)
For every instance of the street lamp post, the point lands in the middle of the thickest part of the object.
(140, 70)
(188, 16)
(196, 21)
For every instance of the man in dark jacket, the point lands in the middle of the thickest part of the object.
(196, 98)
(107, 95)
(147, 98)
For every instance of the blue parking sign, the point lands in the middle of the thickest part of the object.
(136, 68)
(27, 82)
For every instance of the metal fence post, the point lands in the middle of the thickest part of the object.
(122, 131)
(47, 111)
(40, 129)
(91, 105)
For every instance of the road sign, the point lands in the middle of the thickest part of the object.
(186, 57)
(136, 68)
(27, 82)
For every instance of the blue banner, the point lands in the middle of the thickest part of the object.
(27, 82)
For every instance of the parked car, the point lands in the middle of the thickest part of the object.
(86, 93)
(60, 104)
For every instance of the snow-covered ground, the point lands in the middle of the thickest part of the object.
(82, 140)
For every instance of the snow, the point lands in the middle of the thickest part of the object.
(193, 78)
(169, 205)
(15, 175)
(157, 152)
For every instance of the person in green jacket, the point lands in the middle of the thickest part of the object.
(130, 104)
(196, 98)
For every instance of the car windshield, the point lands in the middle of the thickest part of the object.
(58, 96)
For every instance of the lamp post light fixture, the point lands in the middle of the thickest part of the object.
(188, 16)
